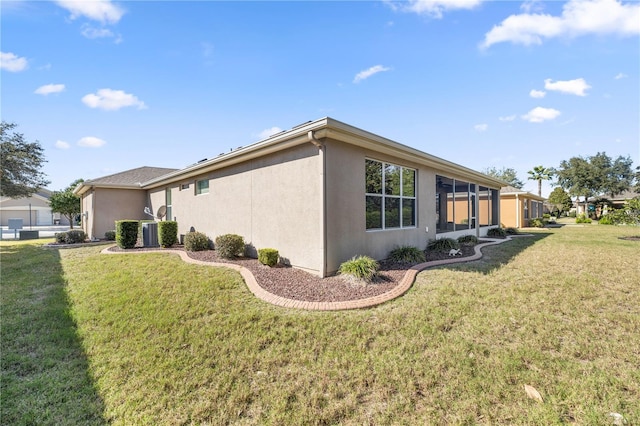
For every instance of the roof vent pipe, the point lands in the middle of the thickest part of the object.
(313, 139)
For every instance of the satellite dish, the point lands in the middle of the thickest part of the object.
(162, 211)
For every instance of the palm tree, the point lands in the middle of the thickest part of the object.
(540, 173)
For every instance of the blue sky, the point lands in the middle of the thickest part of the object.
(108, 86)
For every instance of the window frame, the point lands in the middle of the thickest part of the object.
(400, 199)
(199, 190)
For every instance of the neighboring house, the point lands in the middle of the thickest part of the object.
(517, 207)
(319, 193)
(34, 210)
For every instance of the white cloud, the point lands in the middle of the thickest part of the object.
(537, 93)
(507, 118)
(91, 32)
(363, 75)
(103, 11)
(48, 89)
(532, 6)
(539, 114)
(91, 142)
(112, 100)
(481, 127)
(269, 132)
(433, 8)
(62, 145)
(13, 63)
(620, 76)
(579, 17)
(574, 87)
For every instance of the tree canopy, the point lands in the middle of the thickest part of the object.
(21, 163)
(560, 199)
(66, 202)
(540, 173)
(595, 175)
(506, 174)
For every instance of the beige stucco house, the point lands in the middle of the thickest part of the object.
(319, 193)
(517, 207)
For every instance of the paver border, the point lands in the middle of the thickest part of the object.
(405, 283)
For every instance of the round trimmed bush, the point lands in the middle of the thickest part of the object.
(229, 246)
(167, 233)
(196, 241)
(268, 256)
(127, 233)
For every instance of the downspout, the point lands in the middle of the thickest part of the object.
(323, 203)
(517, 211)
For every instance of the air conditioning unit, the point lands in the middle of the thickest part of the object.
(150, 234)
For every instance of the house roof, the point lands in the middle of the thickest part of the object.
(313, 132)
(128, 179)
(511, 190)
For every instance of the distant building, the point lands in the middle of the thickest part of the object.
(34, 210)
(517, 207)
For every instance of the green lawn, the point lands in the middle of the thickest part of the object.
(147, 339)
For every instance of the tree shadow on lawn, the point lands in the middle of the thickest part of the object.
(44, 369)
(497, 255)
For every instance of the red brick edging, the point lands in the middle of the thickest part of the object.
(404, 285)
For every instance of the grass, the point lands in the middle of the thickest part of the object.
(147, 339)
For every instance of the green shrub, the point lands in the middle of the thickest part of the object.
(360, 268)
(582, 218)
(407, 254)
(511, 231)
(110, 235)
(443, 245)
(229, 246)
(572, 213)
(127, 233)
(167, 233)
(73, 236)
(536, 223)
(496, 233)
(268, 256)
(606, 220)
(468, 240)
(196, 241)
(546, 216)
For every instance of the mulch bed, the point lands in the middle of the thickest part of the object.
(297, 284)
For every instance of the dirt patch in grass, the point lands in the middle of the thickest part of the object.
(297, 284)
(631, 238)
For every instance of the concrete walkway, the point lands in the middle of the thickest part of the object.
(404, 285)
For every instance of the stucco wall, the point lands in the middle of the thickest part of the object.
(509, 211)
(112, 205)
(346, 227)
(273, 202)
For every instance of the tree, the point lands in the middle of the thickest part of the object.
(560, 199)
(506, 174)
(595, 175)
(66, 202)
(21, 163)
(540, 173)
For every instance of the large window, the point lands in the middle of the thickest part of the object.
(390, 196)
(202, 186)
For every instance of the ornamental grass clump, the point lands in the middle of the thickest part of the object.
(443, 245)
(359, 269)
(468, 240)
(496, 233)
(407, 254)
(196, 241)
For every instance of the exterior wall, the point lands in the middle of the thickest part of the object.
(20, 208)
(509, 211)
(105, 206)
(273, 201)
(345, 207)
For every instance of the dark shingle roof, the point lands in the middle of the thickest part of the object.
(133, 177)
